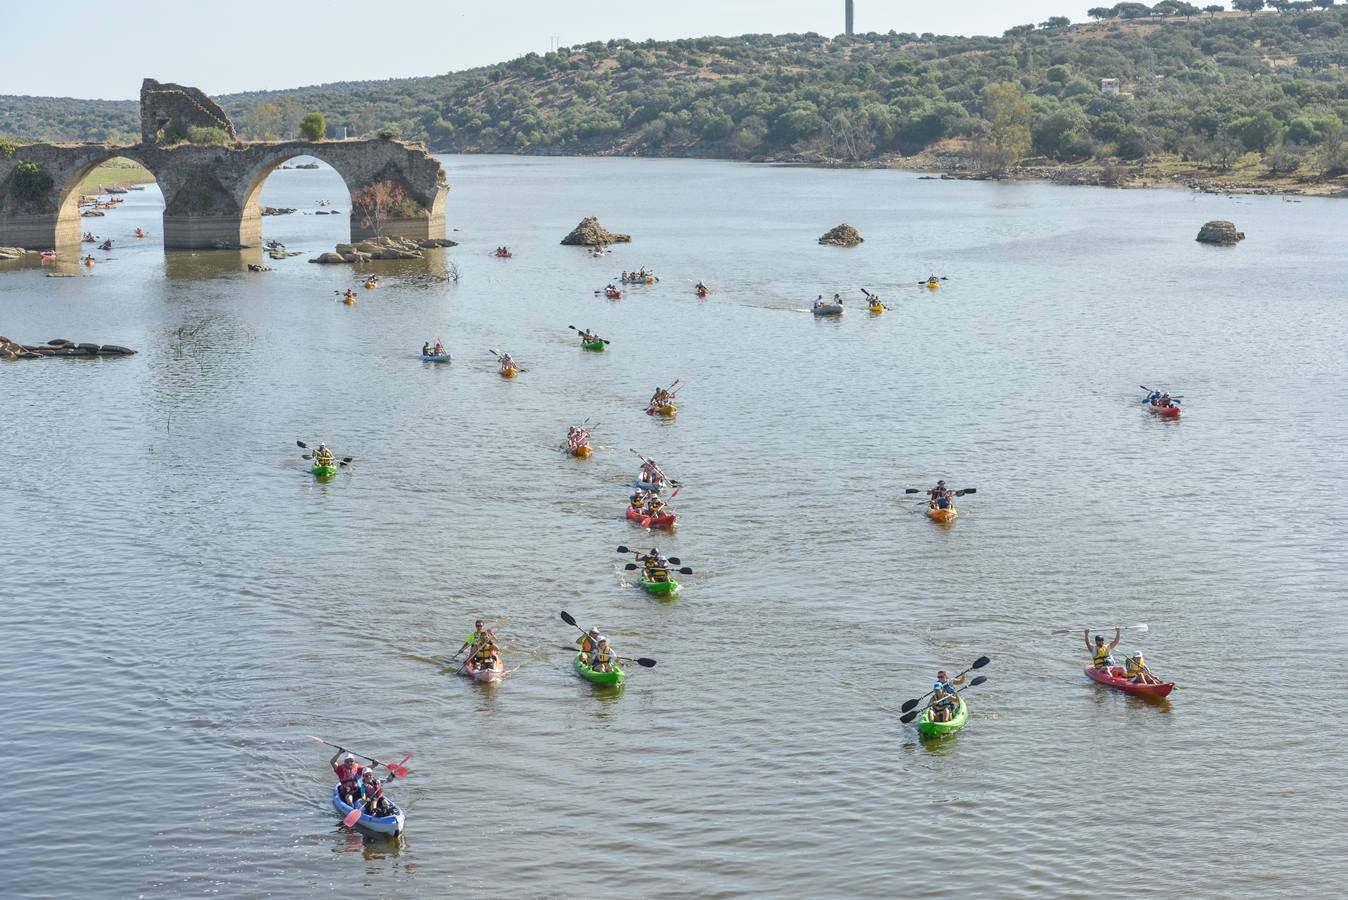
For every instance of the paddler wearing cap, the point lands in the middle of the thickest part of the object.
(1135, 668)
(943, 697)
(940, 496)
(1102, 656)
(348, 775)
(603, 658)
(588, 641)
(481, 635)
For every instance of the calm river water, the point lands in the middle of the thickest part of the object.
(187, 604)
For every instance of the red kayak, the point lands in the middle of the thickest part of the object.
(1114, 677)
(1169, 412)
(645, 521)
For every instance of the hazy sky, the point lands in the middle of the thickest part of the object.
(103, 48)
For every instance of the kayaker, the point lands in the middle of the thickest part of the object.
(943, 697)
(372, 792)
(106, 245)
(586, 337)
(426, 349)
(439, 348)
(650, 471)
(655, 506)
(1166, 401)
(322, 456)
(602, 658)
(348, 775)
(481, 635)
(1102, 656)
(486, 656)
(940, 496)
(1135, 669)
(588, 641)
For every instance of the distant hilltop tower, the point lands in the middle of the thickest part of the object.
(849, 17)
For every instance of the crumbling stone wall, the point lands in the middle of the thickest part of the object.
(162, 105)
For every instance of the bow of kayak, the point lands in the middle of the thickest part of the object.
(936, 514)
(665, 589)
(485, 675)
(605, 678)
(929, 728)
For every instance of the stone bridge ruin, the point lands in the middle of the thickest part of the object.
(211, 190)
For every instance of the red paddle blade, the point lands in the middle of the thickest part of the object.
(351, 818)
(398, 769)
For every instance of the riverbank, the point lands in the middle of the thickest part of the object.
(116, 172)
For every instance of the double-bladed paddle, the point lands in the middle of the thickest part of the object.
(674, 559)
(596, 337)
(397, 769)
(303, 446)
(977, 664)
(644, 661)
(632, 567)
(960, 493)
(908, 717)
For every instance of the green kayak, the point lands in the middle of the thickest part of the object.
(606, 678)
(325, 471)
(667, 588)
(940, 729)
(595, 345)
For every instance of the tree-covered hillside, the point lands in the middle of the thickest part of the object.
(1209, 87)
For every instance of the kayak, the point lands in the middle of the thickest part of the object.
(509, 372)
(942, 515)
(485, 675)
(371, 285)
(431, 357)
(1169, 412)
(349, 301)
(607, 678)
(391, 825)
(325, 471)
(650, 485)
(876, 308)
(828, 309)
(1114, 677)
(593, 345)
(933, 285)
(667, 588)
(668, 410)
(646, 521)
(613, 295)
(703, 294)
(582, 452)
(928, 728)
(650, 279)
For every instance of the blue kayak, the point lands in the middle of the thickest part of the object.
(433, 358)
(392, 825)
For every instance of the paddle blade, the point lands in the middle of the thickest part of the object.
(979, 680)
(685, 571)
(675, 561)
(568, 618)
(302, 444)
(909, 704)
(1141, 627)
(352, 818)
(645, 662)
(968, 491)
(980, 662)
(306, 456)
(909, 717)
(910, 490)
(347, 458)
(622, 549)
(631, 567)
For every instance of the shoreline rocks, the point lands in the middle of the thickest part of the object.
(12, 350)
(843, 235)
(1221, 233)
(277, 210)
(589, 233)
(383, 247)
(12, 252)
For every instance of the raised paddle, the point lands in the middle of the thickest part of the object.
(977, 664)
(908, 717)
(1141, 627)
(396, 768)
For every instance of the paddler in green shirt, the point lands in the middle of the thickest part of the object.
(481, 634)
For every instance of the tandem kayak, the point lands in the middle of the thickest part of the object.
(324, 471)
(606, 678)
(592, 345)
(650, 485)
(877, 308)
(581, 452)
(390, 825)
(431, 357)
(509, 372)
(1114, 677)
(669, 410)
(928, 728)
(1169, 412)
(943, 516)
(646, 521)
(667, 588)
(485, 675)
(828, 309)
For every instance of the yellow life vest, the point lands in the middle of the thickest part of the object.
(1136, 666)
(1101, 657)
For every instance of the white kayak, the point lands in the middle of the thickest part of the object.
(828, 309)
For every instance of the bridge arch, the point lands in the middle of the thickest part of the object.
(70, 224)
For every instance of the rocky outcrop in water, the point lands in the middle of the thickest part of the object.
(589, 233)
(12, 252)
(277, 210)
(385, 247)
(842, 236)
(1221, 233)
(12, 350)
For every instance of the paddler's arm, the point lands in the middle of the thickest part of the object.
(1115, 643)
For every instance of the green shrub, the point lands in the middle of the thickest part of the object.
(208, 135)
(31, 181)
(7, 148)
(313, 126)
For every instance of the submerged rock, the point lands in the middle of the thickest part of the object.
(842, 236)
(589, 233)
(1220, 232)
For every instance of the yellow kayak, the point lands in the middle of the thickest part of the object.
(509, 372)
(582, 452)
(942, 515)
(669, 409)
(877, 308)
(933, 284)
